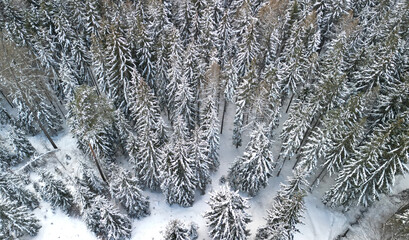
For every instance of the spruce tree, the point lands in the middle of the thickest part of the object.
(250, 173)
(177, 230)
(125, 189)
(227, 218)
(286, 211)
(91, 120)
(106, 221)
(199, 152)
(210, 124)
(179, 180)
(16, 220)
(144, 148)
(22, 147)
(55, 192)
(12, 188)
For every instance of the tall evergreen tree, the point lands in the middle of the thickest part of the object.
(16, 220)
(125, 189)
(227, 218)
(251, 172)
(179, 180)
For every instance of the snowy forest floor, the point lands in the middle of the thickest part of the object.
(320, 222)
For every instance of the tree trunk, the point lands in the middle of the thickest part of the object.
(296, 162)
(8, 101)
(319, 175)
(223, 114)
(289, 103)
(309, 130)
(98, 164)
(281, 167)
(91, 74)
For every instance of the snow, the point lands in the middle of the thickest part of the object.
(320, 223)
(57, 225)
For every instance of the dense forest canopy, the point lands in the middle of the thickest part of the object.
(148, 81)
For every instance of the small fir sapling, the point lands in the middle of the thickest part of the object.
(227, 218)
(124, 187)
(16, 220)
(55, 192)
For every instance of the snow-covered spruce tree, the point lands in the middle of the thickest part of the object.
(185, 103)
(373, 167)
(244, 97)
(91, 120)
(144, 148)
(140, 36)
(7, 158)
(93, 181)
(119, 64)
(177, 230)
(124, 187)
(286, 211)
(5, 117)
(174, 71)
(210, 123)
(106, 221)
(248, 47)
(179, 174)
(12, 188)
(230, 77)
(227, 218)
(184, 20)
(199, 152)
(22, 147)
(16, 220)
(250, 172)
(55, 192)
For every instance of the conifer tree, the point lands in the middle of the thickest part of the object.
(22, 147)
(248, 48)
(176, 230)
(125, 189)
(91, 119)
(373, 167)
(16, 220)
(119, 67)
(106, 221)
(227, 218)
(244, 98)
(286, 211)
(56, 192)
(199, 152)
(250, 173)
(210, 124)
(145, 147)
(12, 188)
(179, 180)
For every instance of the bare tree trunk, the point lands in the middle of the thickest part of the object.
(281, 167)
(91, 74)
(223, 114)
(289, 103)
(319, 175)
(98, 164)
(8, 101)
